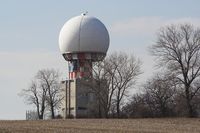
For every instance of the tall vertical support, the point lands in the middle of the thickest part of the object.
(66, 99)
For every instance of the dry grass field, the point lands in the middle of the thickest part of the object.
(180, 125)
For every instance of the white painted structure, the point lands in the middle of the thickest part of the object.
(82, 40)
(83, 34)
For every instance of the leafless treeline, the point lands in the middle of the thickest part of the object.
(112, 80)
(175, 92)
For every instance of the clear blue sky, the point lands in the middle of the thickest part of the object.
(29, 36)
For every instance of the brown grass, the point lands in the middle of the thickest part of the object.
(180, 125)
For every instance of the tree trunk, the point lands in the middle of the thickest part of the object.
(163, 111)
(99, 108)
(52, 112)
(40, 116)
(118, 109)
(51, 102)
(106, 114)
(189, 106)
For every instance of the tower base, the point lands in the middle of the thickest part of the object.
(80, 99)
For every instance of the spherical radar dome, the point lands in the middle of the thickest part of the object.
(83, 34)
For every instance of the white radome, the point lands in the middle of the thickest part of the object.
(83, 34)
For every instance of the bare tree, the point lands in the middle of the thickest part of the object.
(44, 92)
(123, 74)
(102, 86)
(49, 78)
(36, 94)
(178, 49)
(97, 85)
(112, 78)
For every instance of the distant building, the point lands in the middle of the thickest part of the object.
(31, 115)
